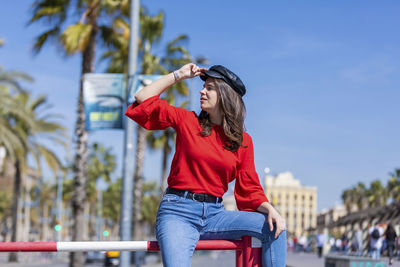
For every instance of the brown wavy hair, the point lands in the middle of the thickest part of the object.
(233, 114)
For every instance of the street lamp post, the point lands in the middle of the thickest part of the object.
(127, 183)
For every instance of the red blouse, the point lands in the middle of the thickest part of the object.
(202, 164)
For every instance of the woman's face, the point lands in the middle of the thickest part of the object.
(209, 96)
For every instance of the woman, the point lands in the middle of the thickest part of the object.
(390, 235)
(212, 150)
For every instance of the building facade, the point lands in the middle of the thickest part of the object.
(296, 203)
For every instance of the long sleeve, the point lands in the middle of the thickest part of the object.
(249, 193)
(155, 114)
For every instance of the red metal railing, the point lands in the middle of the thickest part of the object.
(248, 249)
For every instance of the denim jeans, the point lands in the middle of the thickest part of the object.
(375, 253)
(181, 222)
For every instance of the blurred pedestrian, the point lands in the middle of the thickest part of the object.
(375, 233)
(338, 245)
(303, 243)
(296, 243)
(332, 244)
(345, 243)
(320, 243)
(390, 235)
(357, 242)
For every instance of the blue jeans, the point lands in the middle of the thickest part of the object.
(375, 253)
(181, 222)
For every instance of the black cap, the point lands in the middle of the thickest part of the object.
(221, 72)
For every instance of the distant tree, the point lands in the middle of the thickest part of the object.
(112, 202)
(394, 185)
(43, 129)
(151, 200)
(377, 194)
(347, 199)
(102, 164)
(5, 203)
(360, 198)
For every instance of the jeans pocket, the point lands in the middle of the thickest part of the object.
(171, 198)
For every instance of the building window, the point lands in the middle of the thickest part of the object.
(311, 198)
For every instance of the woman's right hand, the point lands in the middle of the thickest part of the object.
(189, 70)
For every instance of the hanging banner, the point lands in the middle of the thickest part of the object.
(103, 95)
(139, 82)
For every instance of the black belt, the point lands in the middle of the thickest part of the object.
(195, 196)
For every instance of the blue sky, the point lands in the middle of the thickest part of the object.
(322, 79)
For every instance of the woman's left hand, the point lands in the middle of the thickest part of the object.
(273, 217)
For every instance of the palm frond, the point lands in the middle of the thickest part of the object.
(76, 37)
(47, 36)
(52, 11)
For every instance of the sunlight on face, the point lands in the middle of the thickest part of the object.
(209, 96)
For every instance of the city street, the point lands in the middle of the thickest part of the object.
(200, 259)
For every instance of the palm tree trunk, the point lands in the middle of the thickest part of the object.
(27, 209)
(138, 181)
(45, 224)
(81, 158)
(13, 256)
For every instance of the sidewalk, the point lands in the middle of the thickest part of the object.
(200, 259)
(312, 260)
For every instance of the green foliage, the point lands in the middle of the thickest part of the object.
(101, 165)
(377, 194)
(5, 203)
(76, 37)
(394, 185)
(151, 201)
(43, 128)
(112, 201)
(84, 14)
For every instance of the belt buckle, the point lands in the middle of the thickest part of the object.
(193, 197)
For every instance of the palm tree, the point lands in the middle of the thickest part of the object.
(21, 136)
(359, 192)
(347, 199)
(43, 128)
(101, 165)
(377, 194)
(13, 139)
(10, 84)
(394, 185)
(151, 200)
(46, 201)
(111, 209)
(81, 37)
